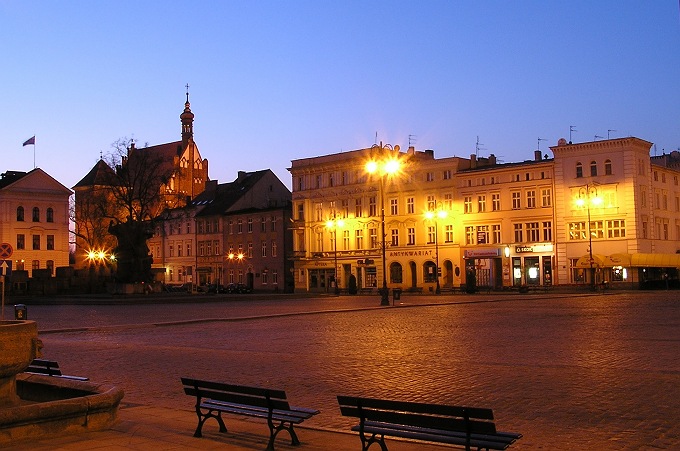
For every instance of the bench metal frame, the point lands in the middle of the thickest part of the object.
(214, 398)
(453, 425)
(50, 368)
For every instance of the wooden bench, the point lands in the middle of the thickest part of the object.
(50, 368)
(469, 427)
(214, 398)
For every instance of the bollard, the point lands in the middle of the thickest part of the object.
(20, 312)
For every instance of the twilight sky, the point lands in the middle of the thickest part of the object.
(272, 81)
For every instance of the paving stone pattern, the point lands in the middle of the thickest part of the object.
(567, 371)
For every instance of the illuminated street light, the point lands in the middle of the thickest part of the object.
(335, 224)
(384, 168)
(587, 196)
(433, 215)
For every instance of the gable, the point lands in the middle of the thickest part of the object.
(38, 181)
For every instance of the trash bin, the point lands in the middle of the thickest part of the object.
(20, 312)
(396, 293)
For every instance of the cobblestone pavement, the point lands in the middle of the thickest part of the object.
(567, 371)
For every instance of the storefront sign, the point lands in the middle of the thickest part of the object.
(482, 253)
(411, 253)
(534, 248)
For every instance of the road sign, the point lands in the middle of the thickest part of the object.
(5, 251)
(6, 267)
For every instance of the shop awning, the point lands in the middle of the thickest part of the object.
(584, 262)
(655, 260)
(617, 260)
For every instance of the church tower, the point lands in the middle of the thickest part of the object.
(187, 118)
(188, 146)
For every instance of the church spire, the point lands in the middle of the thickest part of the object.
(187, 118)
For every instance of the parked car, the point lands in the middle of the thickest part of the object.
(215, 288)
(238, 288)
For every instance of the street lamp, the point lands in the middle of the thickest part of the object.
(433, 216)
(334, 224)
(587, 195)
(385, 167)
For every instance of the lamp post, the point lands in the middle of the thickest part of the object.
(587, 196)
(334, 224)
(384, 167)
(433, 216)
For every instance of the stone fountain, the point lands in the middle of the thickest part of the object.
(35, 406)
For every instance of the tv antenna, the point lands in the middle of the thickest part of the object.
(539, 143)
(598, 136)
(478, 147)
(609, 131)
(412, 139)
(571, 129)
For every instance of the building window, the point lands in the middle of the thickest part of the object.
(249, 252)
(496, 232)
(430, 234)
(179, 249)
(483, 234)
(447, 174)
(448, 201)
(201, 248)
(373, 236)
(547, 231)
(533, 232)
(431, 203)
(358, 211)
(345, 208)
(263, 225)
(50, 215)
(531, 198)
(331, 179)
(396, 273)
(467, 204)
(319, 241)
(481, 203)
(616, 228)
(20, 214)
(36, 214)
(49, 264)
(264, 248)
(394, 207)
(593, 168)
(188, 249)
(496, 202)
(597, 229)
(301, 211)
(469, 235)
(429, 176)
(395, 237)
(410, 206)
(273, 224)
(579, 170)
(318, 181)
(274, 248)
(372, 207)
(519, 235)
(36, 242)
(516, 200)
(21, 241)
(239, 226)
(50, 242)
(35, 264)
(546, 197)
(250, 225)
(448, 233)
(411, 236)
(345, 240)
(265, 277)
(607, 167)
(359, 238)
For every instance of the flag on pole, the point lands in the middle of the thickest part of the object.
(30, 141)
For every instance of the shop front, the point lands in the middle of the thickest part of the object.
(532, 265)
(483, 269)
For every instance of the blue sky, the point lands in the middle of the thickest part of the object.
(273, 81)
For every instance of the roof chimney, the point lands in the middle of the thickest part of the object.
(537, 155)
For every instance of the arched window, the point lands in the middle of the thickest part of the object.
(36, 214)
(396, 273)
(20, 213)
(429, 272)
(608, 167)
(593, 168)
(50, 215)
(579, 170)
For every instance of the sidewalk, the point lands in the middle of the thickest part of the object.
(150, 428)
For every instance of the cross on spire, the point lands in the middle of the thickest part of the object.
(187, 86)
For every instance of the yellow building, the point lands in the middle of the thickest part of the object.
(485, 224)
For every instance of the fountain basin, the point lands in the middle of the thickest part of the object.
(52, 406)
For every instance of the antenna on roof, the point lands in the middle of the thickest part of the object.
(539, 143)
(478, 147)
(609, 131)
(412, 139)
(571, 129)
(376, 138)
(598, 136)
